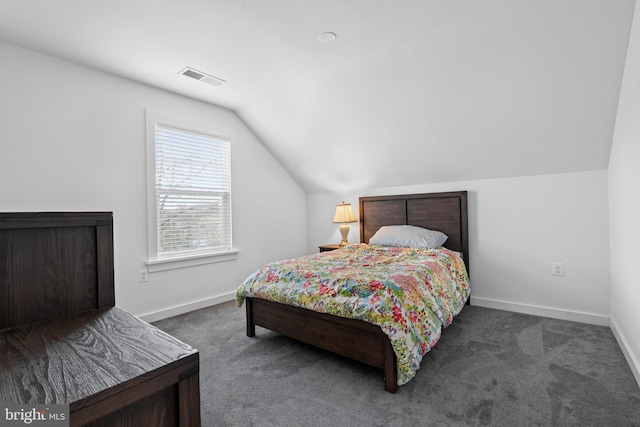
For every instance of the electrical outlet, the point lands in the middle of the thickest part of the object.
(557, 269)
(143, 276)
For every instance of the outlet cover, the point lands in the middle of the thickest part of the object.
(143, 276)
(557, 269)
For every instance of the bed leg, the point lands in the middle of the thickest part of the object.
(390, 373)
(251, 327)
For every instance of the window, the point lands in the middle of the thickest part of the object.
(189, 199)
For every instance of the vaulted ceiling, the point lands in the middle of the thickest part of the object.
(410, 92)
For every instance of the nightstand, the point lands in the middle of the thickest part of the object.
(327, 248)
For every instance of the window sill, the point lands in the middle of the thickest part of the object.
(190, 261)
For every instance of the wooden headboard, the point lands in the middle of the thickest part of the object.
(445, 212)
(54, 265)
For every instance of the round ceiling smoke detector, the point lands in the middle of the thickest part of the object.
(327, 37)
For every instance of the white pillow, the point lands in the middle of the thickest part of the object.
(408, 236)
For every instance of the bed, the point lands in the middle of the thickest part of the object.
(350, 334)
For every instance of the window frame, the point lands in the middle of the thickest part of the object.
(154, 262)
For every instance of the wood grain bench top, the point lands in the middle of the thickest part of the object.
(88, 357)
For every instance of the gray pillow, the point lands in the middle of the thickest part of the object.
(408, 236)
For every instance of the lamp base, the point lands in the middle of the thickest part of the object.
(344, 231)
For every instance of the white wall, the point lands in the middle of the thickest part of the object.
(73, 139)
(517, 227)
(624, 208)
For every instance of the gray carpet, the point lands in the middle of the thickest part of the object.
(490, 367)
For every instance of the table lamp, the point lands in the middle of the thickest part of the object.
(344, 215)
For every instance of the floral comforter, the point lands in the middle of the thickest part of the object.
(412, 294)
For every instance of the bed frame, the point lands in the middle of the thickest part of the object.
(63, 341)
(355, 339)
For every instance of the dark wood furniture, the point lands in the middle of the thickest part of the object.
(62, 341)
(358, 340)
(330, 247)
(445, 212)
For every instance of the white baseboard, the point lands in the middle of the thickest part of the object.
(634, 364)
(554, 313)
(185, 308)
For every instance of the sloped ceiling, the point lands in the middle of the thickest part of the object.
(411, 91)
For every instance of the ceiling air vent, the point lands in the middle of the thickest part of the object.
(203, 77)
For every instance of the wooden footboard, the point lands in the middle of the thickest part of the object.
(351, 338)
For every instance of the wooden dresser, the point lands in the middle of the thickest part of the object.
(62, 340)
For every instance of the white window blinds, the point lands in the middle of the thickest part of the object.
(193, 191)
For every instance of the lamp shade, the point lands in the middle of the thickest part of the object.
(344, 214)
